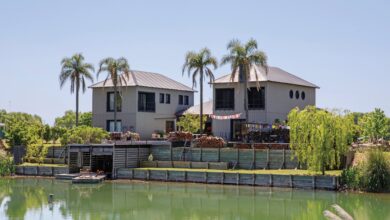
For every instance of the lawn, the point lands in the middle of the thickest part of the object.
(42, 165)
(275, 172)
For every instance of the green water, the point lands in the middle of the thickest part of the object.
(27, 198)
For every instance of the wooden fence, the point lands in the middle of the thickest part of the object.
(270, 180)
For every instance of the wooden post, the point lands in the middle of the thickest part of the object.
(206, 177)
(132, 173)
(238, 178)
(314, 182)
(291, 181)
(268, 158)
(253, 179)
(166, 175)
(284, 159)
(254, 158)
(270, 180)
(201, 154)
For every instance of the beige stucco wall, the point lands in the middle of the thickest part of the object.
(277, 104)
(145, 123)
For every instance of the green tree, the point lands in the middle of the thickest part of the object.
(191, 123)
(75, 70)
(47, 133)
(68, 120)
(198, 64)
(84, 135)
(319, 137)
(23, 129)
(86, 119)
(375, 125)
(118, 70)
(243, 58)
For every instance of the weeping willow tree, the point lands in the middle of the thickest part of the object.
(319, 138)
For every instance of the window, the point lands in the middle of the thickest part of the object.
(168, 98)
(297, 94)
(110, 102)
(256, 98)
(224, 99)
(186, 100)
(111, 126)
(291, 94)
(162, 97)
(303, 95)
(146, 102)
(180, 100)
(169, 126)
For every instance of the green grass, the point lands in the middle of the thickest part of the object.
(42, 165)
(275, 172)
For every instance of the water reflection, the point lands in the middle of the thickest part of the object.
(27, 198)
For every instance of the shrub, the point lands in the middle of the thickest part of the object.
(376, 172)
(36, 152)
(180, 136)
(351, 178)
(6, 165)
(84, 135)
(210, 142)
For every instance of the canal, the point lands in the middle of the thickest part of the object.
(27, 198)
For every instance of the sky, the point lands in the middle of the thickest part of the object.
(341, 46)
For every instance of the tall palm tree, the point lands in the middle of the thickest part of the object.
(198, 64)
(75, 70)
(118, 70)
(243, 58)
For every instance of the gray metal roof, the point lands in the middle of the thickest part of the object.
(274, 74)
(148, 79)
(195, 110)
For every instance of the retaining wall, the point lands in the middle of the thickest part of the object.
(185, 164)
(236, 158)
(291, 181)
(40, 170)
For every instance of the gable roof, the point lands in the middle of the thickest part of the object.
(274, 74)
(195, 110)
(147, 79)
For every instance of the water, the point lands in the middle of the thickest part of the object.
(27, 198)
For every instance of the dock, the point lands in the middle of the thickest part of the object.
(89, 178)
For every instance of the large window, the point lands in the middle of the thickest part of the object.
(224, 99)
(111, 126)
(180, 100)
(110, 102)
(256, 98)
(186, 100)
(146, 102)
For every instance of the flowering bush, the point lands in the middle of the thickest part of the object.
(209, 142)
(180, 136)
(132, 136)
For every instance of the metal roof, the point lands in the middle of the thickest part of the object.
(195, 110)
(148, 79)
(274, 74)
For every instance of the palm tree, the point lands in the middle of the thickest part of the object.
(77, 72)
(243, 58)
(198, 64)
(118, 70)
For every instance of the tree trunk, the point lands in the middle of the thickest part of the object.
(77, 101)
(201, 101)
(115, 107)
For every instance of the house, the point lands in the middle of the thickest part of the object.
(279, 92)
(147, 103)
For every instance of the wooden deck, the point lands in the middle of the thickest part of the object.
(89, 178)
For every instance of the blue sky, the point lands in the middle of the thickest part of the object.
(342, 46)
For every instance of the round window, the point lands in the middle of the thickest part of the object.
(291, 94)
(297, 94)
(303, 95)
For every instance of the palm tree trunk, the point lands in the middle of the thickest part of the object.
(77, 101)
(115, 107)
(201, 101)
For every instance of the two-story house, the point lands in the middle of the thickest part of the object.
(279, 92)
(147, 103)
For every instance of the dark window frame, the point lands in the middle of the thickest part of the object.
(118, 104)
(186, 100)
(162, 98)
(303, 95)
(147, 107)
(113, 121)
(291, 94)
(168, 98)
(221, 94)
(297, 94)
(256, 98)
(181, 99)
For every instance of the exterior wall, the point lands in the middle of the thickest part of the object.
(277, 104)
(144, 123)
